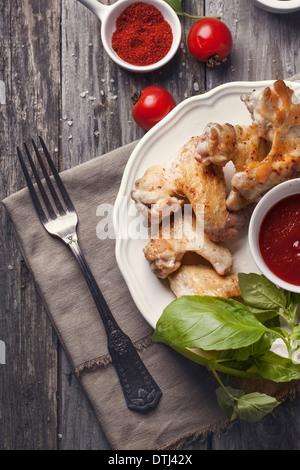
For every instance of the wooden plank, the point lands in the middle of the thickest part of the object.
(29, 57)
(80, 428)
(262, 44)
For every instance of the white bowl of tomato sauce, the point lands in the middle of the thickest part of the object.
(274, 235)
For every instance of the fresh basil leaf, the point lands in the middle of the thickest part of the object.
(250, 407)
(209, 323)
(295, 299)
(281, 331)
(288, 296)
(234, 367)
(226, 402)
(254, 350)
(262, 315)
(295, 335)
(277, 368)
(272, 323)
(239, 354)
(257, 291)
(254, 406)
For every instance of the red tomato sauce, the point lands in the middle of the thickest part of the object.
(279, 239)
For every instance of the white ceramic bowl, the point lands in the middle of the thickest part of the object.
(283, 190)
(278, 6)
(108, 15)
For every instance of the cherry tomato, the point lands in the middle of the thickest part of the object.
(210, 41)
(152, 105)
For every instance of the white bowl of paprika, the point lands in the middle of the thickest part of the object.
(138, 36)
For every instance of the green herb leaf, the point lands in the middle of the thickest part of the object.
(295, 299)
(254, 406)
(254, 350)
(263, 316)
(277, 368)
(209, 323)
(295, 336)
(250, 407)
(226, 402)
(281, 331)
(257, 291)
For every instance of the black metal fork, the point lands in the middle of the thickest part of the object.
(60, 219)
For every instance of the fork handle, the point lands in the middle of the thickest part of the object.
(140, 390)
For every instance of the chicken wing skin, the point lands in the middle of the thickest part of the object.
(275, 108)
(220, 144)
(248, 187)
(165, 187)
(242, 145)
(203, 280)
(167, 248)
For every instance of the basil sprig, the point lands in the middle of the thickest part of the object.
(177, 7)
(235, 337)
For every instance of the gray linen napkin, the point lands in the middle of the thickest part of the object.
(188, 406)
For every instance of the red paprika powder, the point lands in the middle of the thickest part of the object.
(142, 35)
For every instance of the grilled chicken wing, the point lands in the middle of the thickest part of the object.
(166, 250)
(203, 280)
(274, 109)
(163, 189)
(276, 114)
(220, 144)
(242, 145)
(264, 153)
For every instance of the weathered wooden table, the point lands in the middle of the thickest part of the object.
(56, 80)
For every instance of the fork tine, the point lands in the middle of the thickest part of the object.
(34, 197)
(40, 186)
(49, 182)
(58, 180)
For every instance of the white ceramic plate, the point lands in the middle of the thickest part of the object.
(222, 104)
